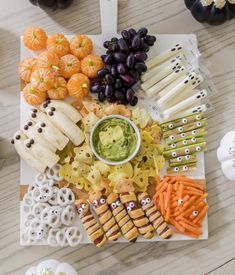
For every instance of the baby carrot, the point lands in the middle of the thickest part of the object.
(168, 196)
(194, 230)
(161, 198)
(201, 214)
(201, 198)
(192, 184)
(168, 213)
(181, 189)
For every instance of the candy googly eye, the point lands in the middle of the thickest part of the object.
(199, 124)
(128, 208)
(173, 145)
(172, 137)
(187, 151)
(193, 139)
(174, 154)
(170, 126)
(143, 202)
(95, 202)
(180, 129)
(184, 120)
(182, 135)
(176, 169)
(80, 210)
(118, 203)
(198, 148)
(180, 201)
(198, 117)
(102, 201)
(147, 200)
(184, 142)
(194, 132)
(113, 205)
(179, 159)
(131, 204)
(84, 205)
(187, 157)
(185, 167)
(195, 213)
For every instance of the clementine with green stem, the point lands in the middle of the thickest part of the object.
(59, 89)
(26, 68)
(58, 44)
(81, 46)
(42, 79)
(34, 38)
(91, 64)
(48, 60)
(69, 64)
(33, 96)
(78, 85)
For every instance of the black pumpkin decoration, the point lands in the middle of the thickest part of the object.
(52, 4)
(213, 12)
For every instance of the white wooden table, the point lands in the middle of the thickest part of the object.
(214, 256)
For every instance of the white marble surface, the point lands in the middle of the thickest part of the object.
(214, 256)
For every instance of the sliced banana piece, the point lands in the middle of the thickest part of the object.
(39, 152)
(63, 107)
(18, 141)
(66, 125)
(31, 132)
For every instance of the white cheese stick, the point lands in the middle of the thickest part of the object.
(190, 82)
(18, 141)
(155, 70)
(39, 152)
(163, 56)
(31, 132)
(158, 77)
(185, 103)
(165, 81)
(63, 107)
(168, 88)
(66, 125)
(193, 110)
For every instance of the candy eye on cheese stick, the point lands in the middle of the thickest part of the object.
(185, 103)
(105, 216)
(155, 70)
(129, 230)
(182, 169)
(159, 76)
(93, 228)
(189, 83)
(137, 214)
(182, 160)
(163, 56)
(166, 81)
(154, 216)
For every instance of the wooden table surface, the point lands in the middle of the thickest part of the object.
(217, 44)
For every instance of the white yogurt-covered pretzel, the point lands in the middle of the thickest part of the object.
(53, 173)
(36, 234)
(51, 239)
(73, 235)
(29, 218)
(68, 215)
(42, 194)
(60, 237)
(51, 216)
(53, 199)
(65, 196)
(38, 208)
(28, 201)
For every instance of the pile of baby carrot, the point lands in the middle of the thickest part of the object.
(181, 201)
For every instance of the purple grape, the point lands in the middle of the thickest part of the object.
(128, 79)
(118, 84)
(119, 95)
(106, 44)
(123, 89)
(135, 74)
(141, 67)
(134, 101)
(132, 32)
(114, 39)
(120, 57)
(150, 40)
(95, 88)
(112, 47)
(125, 34)
(102, 72)
(123, 45)
(113, 70)
(142, 32)
(130, 95)
(101, 96)
(140, 56)
(109, 79)
(108, 91)
(108, 59)
(136, 42)
(111, 99)
(130, 62)
(121, 68)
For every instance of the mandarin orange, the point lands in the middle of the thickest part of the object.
(81, 46)
(34, 38)
(78, 85)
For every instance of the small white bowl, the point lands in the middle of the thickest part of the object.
(116, 162)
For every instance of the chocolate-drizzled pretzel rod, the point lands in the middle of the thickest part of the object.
(93, 228)
(154, 216)
(129, 230)
(105, 216)
(137, 214)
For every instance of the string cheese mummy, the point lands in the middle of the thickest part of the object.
(39, 152)
(188, 159)
(48, 131)
(182, 169)
(93, 228)
(185, 103)
(129, 230)
(154, 216)
(137, 214)
(63, 107)
(160, 67)
(180, 71)
(105, 216)
(159, 76)
(31, 132)
(18, 141)
(66, 125)
(190, 82)
(164, 56)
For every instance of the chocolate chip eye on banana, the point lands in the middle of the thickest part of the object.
(137, 214)
(185, 128)
(183, 160)
(93, 228)
(184, 143)
(129, 230)
(197, 133)
(105, 216)
(183, 168)
(170, 125)
(154, 216)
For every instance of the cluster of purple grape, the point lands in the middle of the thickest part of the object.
(124, 63)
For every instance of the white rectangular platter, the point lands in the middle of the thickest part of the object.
(164, 42)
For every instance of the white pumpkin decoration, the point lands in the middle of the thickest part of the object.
(226, 155)
(51, 267)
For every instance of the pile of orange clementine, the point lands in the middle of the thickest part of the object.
(62, 67)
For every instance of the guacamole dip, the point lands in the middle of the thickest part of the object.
(114, 139)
